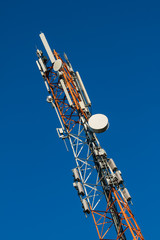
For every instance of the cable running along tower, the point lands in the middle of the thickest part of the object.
(97, 180)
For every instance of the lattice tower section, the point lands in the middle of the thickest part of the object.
(97, 181)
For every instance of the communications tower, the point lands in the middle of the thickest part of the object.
(97, 180)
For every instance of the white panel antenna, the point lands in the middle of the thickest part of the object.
(83, 89)
(47, 47)
(66, 92)
(39, 67)
(43, 66)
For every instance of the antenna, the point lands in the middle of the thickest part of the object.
(47, 47)
(96, 178)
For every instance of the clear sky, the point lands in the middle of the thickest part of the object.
(115, 45)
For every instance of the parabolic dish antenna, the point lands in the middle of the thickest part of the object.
(57, 65)
(98, 123)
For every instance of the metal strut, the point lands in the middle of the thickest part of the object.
(106, 190)
(98, 182)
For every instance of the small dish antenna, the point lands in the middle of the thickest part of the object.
(98, 123)
(57, 65)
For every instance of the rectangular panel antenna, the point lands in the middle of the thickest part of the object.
(83, 89)
(43, 66)
(47, 47)
(66, 92)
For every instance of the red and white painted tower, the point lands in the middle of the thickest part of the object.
(97, 180)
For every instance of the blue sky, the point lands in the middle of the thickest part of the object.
(115, 45)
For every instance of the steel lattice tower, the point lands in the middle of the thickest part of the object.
(97, 180)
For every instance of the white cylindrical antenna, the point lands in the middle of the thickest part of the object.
(112, 164)
(46, 84)
(75, 185)
(43, 66)
(66, 92)
(83, 89)
(47, 47)
(126, 194)
(80, 188)
(85, 206)
(39, 67)
(76, 174)
(119, 177)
